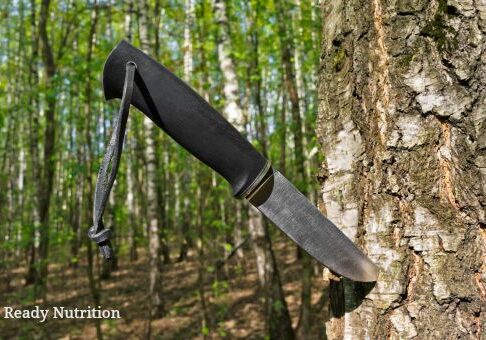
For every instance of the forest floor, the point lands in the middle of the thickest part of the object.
(233, 302)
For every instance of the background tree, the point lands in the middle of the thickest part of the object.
(277, 316)
(48, 168)
(151, 160)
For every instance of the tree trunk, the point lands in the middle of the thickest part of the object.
(290, 83)
(88, 156)
(188, 25)
(402, 123)
(48, 168)
(279, 325)
(183, 180)
(278, 322)
(232, 109)
(154, 235)
(206, 320)
(132, 206)
(152, 197)
(132, 160)
(33, 144)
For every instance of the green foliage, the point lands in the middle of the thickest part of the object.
(178, 310)
(205, 330)
(221, 331)
(194, 201)
(219, 288)
(277, 306)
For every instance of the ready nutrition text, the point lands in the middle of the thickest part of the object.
(41, 315)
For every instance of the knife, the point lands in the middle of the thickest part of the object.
(183, 114)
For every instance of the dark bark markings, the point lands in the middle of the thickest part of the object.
(398, 94)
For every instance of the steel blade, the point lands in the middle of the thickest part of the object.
(292, 212)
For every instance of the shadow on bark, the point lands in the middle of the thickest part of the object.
(339, 304)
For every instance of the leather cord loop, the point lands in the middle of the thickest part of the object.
(109, 166)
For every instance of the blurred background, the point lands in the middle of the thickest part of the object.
(191, 261)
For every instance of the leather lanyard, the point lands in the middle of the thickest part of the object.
(109, 167)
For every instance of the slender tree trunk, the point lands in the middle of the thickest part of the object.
(11, 164)
(186, 241)
(88, 156)
(167, 195)
(155, 275)
(95, 292)
(238, 230)
(128, 7)
(188, 25)
(402, 124)
(200, 195)
(290, 83)
(201, 199)
(154, 235)
(75, 189)
(48, 168)
(75, 219)
(310, 163)
(278, 322)
(282, 162)
(33, 143)
(132, 166)
(132, 207)
(232, 109)
(164, 215)
(279, 325)
(184, 179)
(287, 48)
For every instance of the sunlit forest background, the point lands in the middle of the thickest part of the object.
(196, 272)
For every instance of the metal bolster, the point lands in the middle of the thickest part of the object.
(257, 181)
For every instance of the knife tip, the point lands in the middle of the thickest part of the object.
(369, 272)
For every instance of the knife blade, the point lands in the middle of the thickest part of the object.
(184, 115)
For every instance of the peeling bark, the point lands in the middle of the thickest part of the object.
(402, 120)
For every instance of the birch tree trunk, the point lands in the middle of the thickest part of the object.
(184, 218)
(278, 322)
(233, 110)
(156, 304)
(402, 124)
(188, 25)
(131, 144)
(132, 207)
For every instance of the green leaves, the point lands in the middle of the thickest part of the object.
(195, 203)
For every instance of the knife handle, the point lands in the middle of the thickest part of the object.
(178, 110)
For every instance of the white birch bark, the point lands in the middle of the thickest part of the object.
(152, 197)
(402, 124)
(232, 110)
(278, 321)
(189, 23)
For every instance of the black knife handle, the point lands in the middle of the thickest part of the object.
(186, 117)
